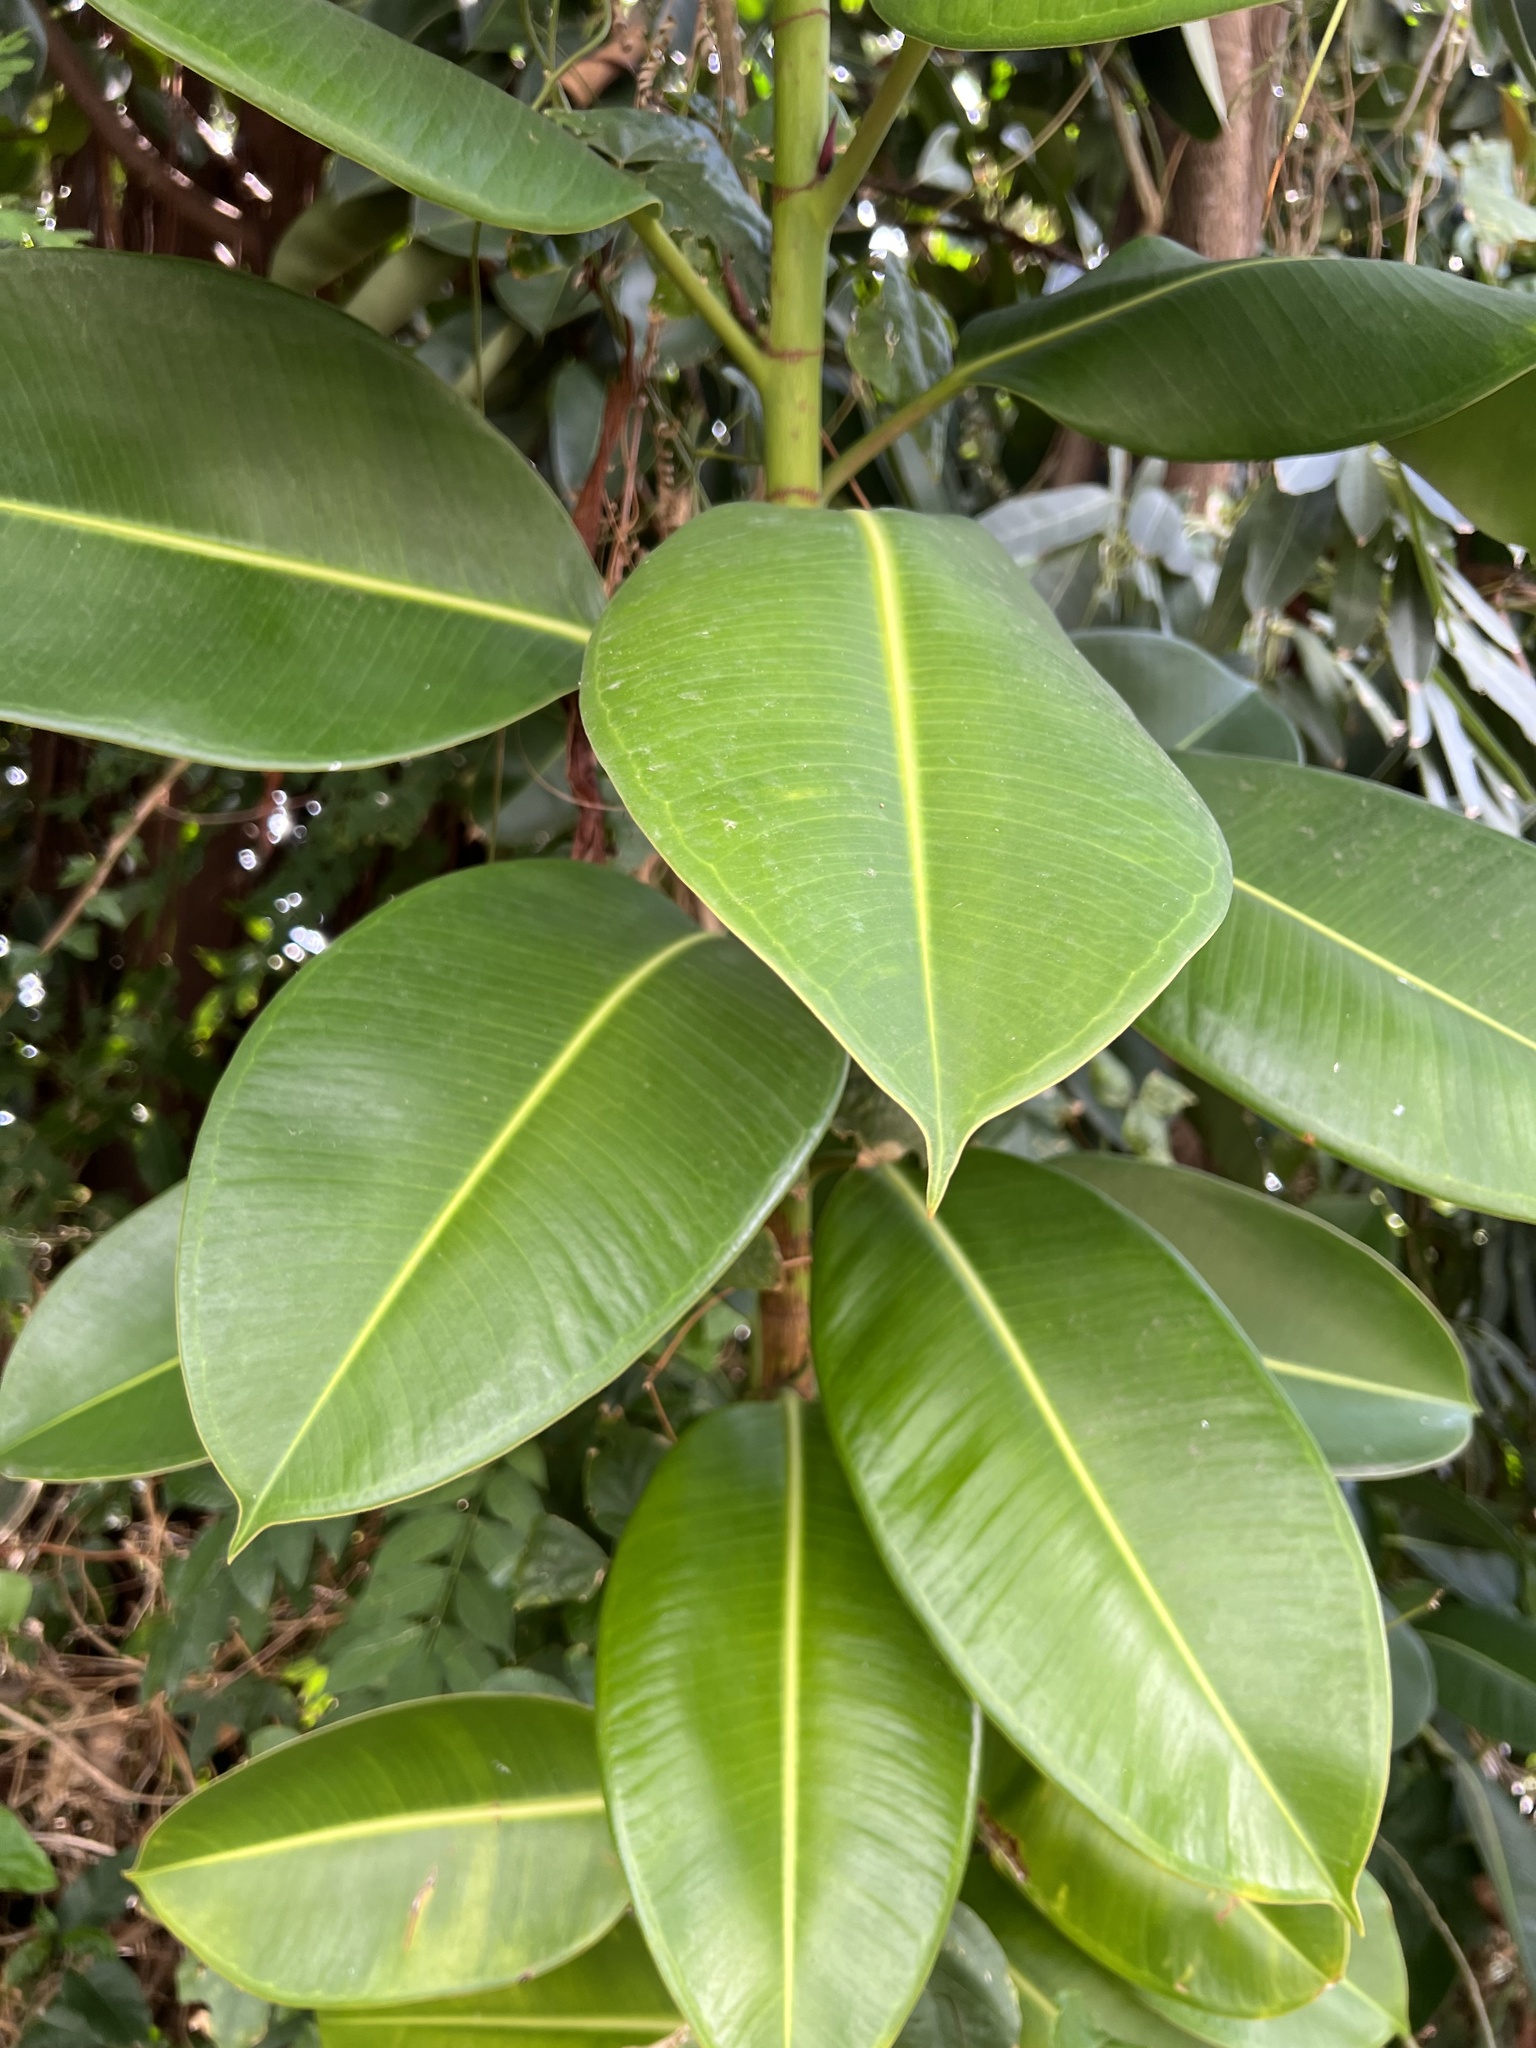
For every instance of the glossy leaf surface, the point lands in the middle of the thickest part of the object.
(969, 2000)
(1002, 861)
(1485, 1669)
(1037, 24)
(465, 1837)
(1374, 983)
(420, 122)
(1372, 1368)
(1186, 697)
(1193, 1942)
(610, 1997)
(1010, 1386)
(317, 624)
(1165, 353)
(625, 1098)
(93, 1387)
(790, 1768)
(1060, 1987)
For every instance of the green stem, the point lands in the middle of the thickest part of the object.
(792, 397)
(650, 233)
(900, 422)
(848, 173)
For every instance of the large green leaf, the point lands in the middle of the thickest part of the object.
(1069, 2001)
(1374, 984)
(609, 1997)
(1165, 353)
(431, 126)
(441, 1847)
(1373, 1369)
(790, 1768)
(93, 1389)
(1110, 1519)
(884, 765)
(489, 1146)
(1485, 1669)
(1194, 1942)
(355, 565)
(1035, 24)
(1186, 697)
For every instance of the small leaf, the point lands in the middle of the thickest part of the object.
(93, 1388)
(15, 1599)
(791, 1769)
(1005, 865)
(1374, 984)
(969, 2000)
(1485, 1669)
(1413, 1678)
(1001, 1381)
(466, 1836)
(1370, 1365)
(1505, 1837)
(489, 1281)
(433, 127)
(1186, 698)
(23, 1865)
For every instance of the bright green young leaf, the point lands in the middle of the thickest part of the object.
(1373, 1369)
(906, 792)
(93, 1389)
(609, 1997)
(23, 1865)
(1375, 982)
(1186, 697)
(1485, 1669)
(320, 619)
(491, 1144)
(442, 1847)
(969, 2000)
(428, 125)
(1037, 24)
(1067, 1998)
(1193, 1942)
(790, 1768)
(1165, 353)
(1014, 1387)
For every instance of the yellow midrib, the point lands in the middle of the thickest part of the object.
(1379, 960)
(562, 1806)
(552, 1075)
(981, 1295)
(139, 1379)
(898, 676)
(789, 1762)
(520, 2023)
(1287, 1368)
(171, 540)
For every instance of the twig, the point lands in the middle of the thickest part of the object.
(116, 846)
(215, 218)
(1063, 113)
(1437, 1920)
(1306, 93)
(654, 1373)
(41, 1732)
(660, 246)
(80, 1842)
(1149, 199)
(846, 175)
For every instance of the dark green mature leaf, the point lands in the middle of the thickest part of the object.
(1485, 1669)
(1505, 1837)
(1036, 24)
(93, 1387)
(1374, 984)
(317, 623)
(470, 1244)
(1003, 863)
(1373, 1369)
(790, 1768)
(1002, 1382)
(1186, 697)
(1194, 1942)
(969, 2000)
(1165, 353)
(428, 125)
(442, 1847)
(609, 1997)
(1413, 1679)
(1069, 2001)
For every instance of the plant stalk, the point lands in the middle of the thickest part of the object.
(847, 174)
(792, 397)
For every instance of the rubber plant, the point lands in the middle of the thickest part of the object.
(1045, 1550)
